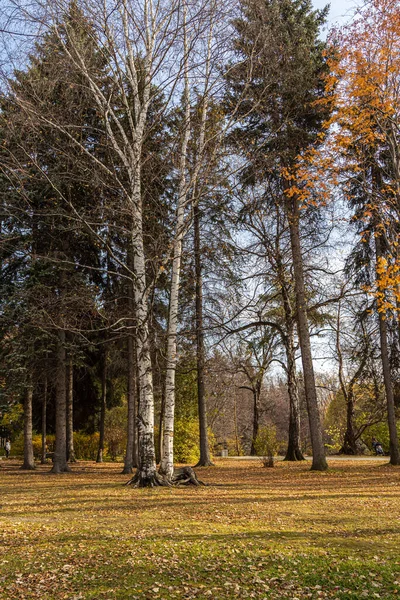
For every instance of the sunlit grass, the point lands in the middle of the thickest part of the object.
(252, 533)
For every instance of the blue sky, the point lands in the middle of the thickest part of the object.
(340, 10)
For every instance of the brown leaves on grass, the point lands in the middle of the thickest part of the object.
(252, 533)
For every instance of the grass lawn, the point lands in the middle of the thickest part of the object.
(282, 533)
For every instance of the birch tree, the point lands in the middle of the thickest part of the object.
(186, 193)
(140, 43)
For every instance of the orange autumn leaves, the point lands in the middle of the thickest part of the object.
(366, 132)
(361, 141)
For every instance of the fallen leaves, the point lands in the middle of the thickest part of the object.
(281, 534)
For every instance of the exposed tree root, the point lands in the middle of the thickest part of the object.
(204, 463)
(185, 476)
(294, 456)
(57, 469)
(181, 476)
(28, 467)
(127, 471)
(141, 481)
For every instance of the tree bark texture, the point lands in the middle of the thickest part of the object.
(167, 452)
(146, 475)
(319, 461)
(70, 414)
(60, 453)
(205, 458)
(29, 462)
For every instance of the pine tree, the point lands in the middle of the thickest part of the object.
(280, 73)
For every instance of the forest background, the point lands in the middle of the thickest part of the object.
(199, 231)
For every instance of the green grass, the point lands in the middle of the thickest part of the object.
(252, 533)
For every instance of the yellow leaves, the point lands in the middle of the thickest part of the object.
(280, 533)
(308, 180)
(387, 285)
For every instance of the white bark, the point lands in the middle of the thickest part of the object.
(185, 182)
(127, 30)
(167, 453)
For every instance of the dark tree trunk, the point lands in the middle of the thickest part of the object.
(103, 407)
(70, 414)
(29, 462)
(319, 461)
(235, 422)
(205, 458)
(293, 452)
(60, 453)
(131, 442)
(44, 421)
(256, 417)
(391, 413)
(349, 441)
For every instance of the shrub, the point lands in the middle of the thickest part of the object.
(86, 445)
(232, 446)
(115, 431)
(186, 441)
(266, 444)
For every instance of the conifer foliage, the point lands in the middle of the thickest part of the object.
(172, 183)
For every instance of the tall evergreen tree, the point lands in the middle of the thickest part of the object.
(284, 110)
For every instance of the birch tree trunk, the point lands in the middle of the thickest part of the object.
(167, 458)
(167, 452)
(60, 453)
(44, 421)
(319, 461)
(29, 462)
(146, 475)
(70, 414)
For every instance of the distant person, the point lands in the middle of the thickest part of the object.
(377, 446)
(7, 448)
